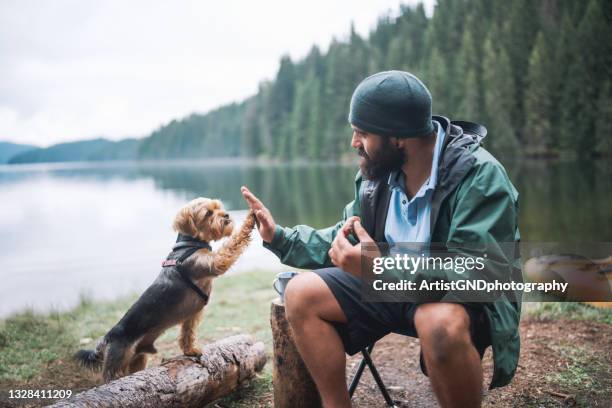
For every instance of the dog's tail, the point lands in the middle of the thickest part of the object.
(92, 359)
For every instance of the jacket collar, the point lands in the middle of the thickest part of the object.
(454, 164)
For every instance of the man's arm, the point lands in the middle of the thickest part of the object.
(301, 246)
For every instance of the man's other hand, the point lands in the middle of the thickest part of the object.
(343, 254)
(265, 222)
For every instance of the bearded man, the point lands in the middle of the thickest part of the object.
(422, 179)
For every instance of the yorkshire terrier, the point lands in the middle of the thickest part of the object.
(179, 293)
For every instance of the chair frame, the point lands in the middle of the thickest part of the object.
(367, 360)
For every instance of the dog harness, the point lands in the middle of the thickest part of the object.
(185, 247)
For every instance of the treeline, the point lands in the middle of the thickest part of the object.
(536, 73)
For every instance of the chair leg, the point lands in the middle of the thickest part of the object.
(367, 360)
(358, 373)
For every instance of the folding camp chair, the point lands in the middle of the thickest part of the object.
(367, 360)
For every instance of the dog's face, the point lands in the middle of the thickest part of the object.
(205, 219)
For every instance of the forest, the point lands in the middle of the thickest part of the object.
(535, 73)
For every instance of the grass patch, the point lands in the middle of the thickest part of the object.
(567, 310)
(34, 344)
(28, 343)
(581, 374)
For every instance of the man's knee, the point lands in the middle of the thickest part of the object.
(300, 295)
(444, 330)
(307, 295)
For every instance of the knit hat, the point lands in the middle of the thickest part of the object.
(392, 103)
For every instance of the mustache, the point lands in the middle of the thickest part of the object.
(362, 153)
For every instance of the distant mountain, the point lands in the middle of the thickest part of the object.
(126, 149)
(8, 150)
(96, 149)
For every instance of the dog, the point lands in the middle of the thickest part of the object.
(179, 293)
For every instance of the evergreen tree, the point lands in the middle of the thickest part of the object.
(469, 107)
(585, 77)
(520, 31)
(497, 81)
(538, 98)
(435, 79)
(562, 58)
(603, 124)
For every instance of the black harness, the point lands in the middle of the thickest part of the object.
(185, 247)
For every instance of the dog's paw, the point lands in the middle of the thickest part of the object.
(193, 352)
(249, 222)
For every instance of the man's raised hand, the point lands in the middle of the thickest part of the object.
(265, 222)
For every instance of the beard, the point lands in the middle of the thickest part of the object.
(386, 159)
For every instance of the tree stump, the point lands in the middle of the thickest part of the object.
(182, 381)
(293, 385)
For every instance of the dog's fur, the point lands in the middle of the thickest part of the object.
(168, 301)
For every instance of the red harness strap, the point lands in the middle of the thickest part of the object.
(169, 262)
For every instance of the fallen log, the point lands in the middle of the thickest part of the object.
(181, 381)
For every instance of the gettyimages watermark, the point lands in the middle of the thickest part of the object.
(486, 272)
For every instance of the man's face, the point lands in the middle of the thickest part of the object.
(378, 155)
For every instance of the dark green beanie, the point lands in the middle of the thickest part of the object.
(392, 103)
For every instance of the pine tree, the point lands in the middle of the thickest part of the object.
(537, 99)
(283, 94)
(250, 138)
(520, 31)
(603, 124)
(469, 100)
(435, 80)
(585, 78)
(562, 58)
(499, 94)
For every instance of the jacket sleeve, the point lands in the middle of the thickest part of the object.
(305, 247)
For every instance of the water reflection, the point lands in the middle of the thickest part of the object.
(102, 228)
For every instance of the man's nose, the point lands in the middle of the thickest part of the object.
(356, 141)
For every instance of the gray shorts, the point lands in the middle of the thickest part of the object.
(368, 322)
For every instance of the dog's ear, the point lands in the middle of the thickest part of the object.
(184, 222)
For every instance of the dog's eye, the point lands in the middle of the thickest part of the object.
(225, 215)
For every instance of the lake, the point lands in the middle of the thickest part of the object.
(101, 229)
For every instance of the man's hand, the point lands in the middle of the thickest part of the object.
(346, 256)
(265, 223)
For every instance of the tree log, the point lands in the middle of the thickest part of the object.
(181, 381)
(293, 385)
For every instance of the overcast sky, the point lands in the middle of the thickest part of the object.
(80, 69)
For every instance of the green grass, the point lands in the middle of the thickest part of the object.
(567, 310)
(581, 375)
(31, 343)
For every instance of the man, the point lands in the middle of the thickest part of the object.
(421, 179)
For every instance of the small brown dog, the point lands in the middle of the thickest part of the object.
(179, 293)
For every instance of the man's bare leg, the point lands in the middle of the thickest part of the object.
(310, 307)
(452, 361)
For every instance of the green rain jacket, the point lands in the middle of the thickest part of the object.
(474, 202)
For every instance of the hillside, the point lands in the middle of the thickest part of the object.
(96, 149)
(8, 150)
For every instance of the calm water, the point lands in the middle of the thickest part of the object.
(102, 229)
